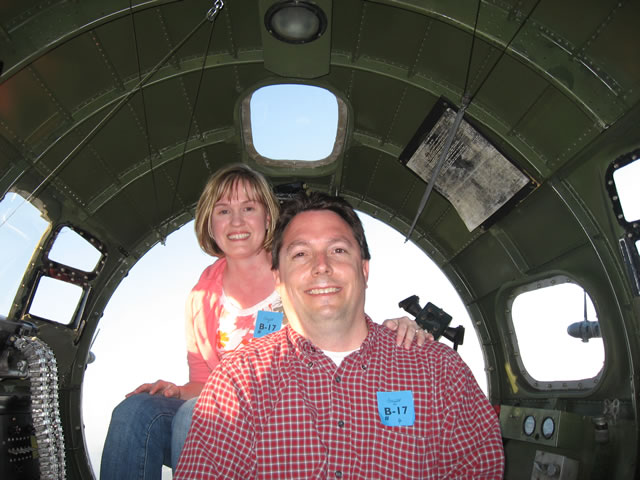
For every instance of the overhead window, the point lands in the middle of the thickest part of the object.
(293, 125)
(21, 228)
(556, 334)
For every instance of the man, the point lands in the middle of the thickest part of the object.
(331, 396)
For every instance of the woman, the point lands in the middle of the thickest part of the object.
(235, 219)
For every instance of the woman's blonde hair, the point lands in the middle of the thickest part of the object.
(222, 184)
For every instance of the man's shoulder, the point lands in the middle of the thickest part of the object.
(434, 351)
(270, 349)
(252, 375)
(435, 361)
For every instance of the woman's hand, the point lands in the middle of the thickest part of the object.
(407, 329)
(167, 389)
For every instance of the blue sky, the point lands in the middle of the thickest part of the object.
(302, 128)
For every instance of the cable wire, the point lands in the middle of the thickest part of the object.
(144, 113)
(89, 136)
(465, 101)
(211, 17)
(504, 50)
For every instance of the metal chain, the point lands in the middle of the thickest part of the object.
(213, 11)
(45, 411)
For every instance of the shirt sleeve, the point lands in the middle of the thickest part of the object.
(221, 440)
(472, 443)
(199, 369)
(201, 322)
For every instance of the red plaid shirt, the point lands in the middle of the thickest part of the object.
(279, 408)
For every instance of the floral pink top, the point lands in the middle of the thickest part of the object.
(215, 324)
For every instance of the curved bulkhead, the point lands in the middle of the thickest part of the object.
(113, 113)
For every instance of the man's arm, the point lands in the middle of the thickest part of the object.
(220, 444)
(472, 442)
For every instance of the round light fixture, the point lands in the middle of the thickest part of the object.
(295, 21)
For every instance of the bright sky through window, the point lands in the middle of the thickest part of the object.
(294, 122)
(540, 319)
(627, 180)
(21, 227)
(73, 250)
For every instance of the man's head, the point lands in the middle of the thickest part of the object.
(318, 201)
(321, 265)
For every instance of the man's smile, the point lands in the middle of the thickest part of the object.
(323, 290)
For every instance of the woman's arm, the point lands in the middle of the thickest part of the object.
(407, 329)
(169, 389)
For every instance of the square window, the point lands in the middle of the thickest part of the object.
(556, 333)
(294, 125)
(55, 300)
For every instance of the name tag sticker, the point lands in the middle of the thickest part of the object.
(267, 322)
(396, 408)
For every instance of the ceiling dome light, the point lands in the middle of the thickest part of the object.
(295, 21)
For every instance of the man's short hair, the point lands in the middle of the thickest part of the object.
(302, 202)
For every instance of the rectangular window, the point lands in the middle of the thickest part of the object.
(556, 334)
(55, 300)
(21, 229)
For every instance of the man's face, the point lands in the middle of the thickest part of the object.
(322, 276)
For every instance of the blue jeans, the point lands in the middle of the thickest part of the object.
(180, 428)
(138, 442)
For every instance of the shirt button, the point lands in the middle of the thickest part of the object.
(338, 474)
(310, 364)
(363, 366)
(341, 424)
(338, 379)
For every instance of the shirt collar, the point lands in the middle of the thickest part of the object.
(306, 351)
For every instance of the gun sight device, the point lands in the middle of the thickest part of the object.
(434, 320)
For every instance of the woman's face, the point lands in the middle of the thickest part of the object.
(239, 224)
